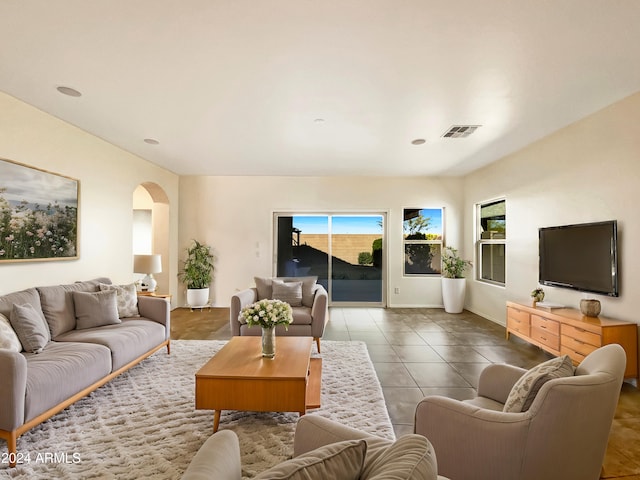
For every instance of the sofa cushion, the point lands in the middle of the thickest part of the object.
(60, 371)
(95, 309)
(290, 292)
(409, 457)
(524, 391)
(341, 460)
(57, 304)
(127, 299)
(30, 327)
(8, 338)
(126, 340)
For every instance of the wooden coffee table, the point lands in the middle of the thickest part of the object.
(239, 378)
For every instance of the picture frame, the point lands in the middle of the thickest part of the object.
(39, 213)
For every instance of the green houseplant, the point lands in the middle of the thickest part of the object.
(453, 281)
(452, 265)
(196, 273)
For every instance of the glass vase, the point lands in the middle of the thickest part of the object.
(268, 342)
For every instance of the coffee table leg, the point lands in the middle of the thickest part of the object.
(216, 420)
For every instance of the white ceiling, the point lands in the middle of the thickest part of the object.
(234, 87)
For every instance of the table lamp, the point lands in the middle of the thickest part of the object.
(147, 264)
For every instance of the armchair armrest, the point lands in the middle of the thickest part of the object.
(319, 311)
(13, 387)
(491, 443)
(238, 302)
(219, 457)
(156, 309)
(497, 380)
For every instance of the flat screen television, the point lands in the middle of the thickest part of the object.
(581, 257)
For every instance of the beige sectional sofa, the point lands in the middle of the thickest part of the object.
(73, 339)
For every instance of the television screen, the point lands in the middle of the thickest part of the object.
(581, 257)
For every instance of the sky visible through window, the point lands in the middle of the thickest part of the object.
(360, 224)
(435, 219)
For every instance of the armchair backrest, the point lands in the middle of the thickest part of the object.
(571, 419)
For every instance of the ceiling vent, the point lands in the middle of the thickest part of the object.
(461, 131)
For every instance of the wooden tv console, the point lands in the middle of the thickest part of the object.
(565, 331)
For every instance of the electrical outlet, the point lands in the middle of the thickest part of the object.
(396, 290)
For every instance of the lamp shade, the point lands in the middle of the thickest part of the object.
(147, 263)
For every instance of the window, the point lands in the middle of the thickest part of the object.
(492, 241)
(422, 241)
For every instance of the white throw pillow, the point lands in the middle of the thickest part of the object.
(8, 338)
(127, 299)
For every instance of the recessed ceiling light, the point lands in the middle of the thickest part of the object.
(418, 141)
(72, 92)
(151, 141)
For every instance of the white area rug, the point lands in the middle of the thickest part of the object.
(143, 424)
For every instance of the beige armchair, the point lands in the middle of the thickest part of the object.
(309, 319)
(563, 435)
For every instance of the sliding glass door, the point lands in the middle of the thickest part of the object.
(345, 252)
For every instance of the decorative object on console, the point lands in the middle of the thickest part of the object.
(36, 199)
(453, 281)
(148, 264)
(196, 274)
(537, 295)
(267, 314)
(590, 307)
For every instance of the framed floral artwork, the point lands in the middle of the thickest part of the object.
(38, 214)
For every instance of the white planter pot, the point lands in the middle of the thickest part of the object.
(197, 297)
(453, 290)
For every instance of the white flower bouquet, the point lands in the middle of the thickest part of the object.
(268, 313)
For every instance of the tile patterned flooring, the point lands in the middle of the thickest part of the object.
(419, 351)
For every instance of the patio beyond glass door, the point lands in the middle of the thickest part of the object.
(344, 251)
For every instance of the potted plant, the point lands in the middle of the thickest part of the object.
(453, 281)
(537, 295)
(196, 274)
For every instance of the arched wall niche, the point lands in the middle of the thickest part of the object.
(151, 228)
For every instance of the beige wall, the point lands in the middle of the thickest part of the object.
(235, 216)
(588, 171)
(108, 177)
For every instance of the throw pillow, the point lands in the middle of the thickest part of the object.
(127, 299)
(524, 391)
(410, 457)
(263, 285)
(308, 288)
(8, 338)
(341, 460)
(31, 329)
(290, 292)
(95, 309)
